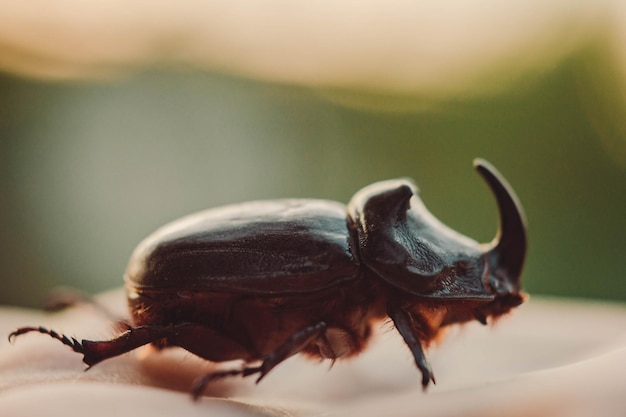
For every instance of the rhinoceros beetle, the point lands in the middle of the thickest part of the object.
(262, 281)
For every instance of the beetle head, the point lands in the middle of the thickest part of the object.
(408, 247)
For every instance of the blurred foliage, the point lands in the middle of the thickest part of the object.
(89, 169)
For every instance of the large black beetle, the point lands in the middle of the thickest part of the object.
(262, 281)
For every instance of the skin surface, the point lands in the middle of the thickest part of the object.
(551, 357)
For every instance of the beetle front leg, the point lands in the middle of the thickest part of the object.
(402, 321)
(294, 344)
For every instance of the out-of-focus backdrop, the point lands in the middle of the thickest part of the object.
(112, 124)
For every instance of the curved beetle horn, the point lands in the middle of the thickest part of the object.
(507, 252)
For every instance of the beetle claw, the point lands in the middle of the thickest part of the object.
(427, 377)
(260, 378)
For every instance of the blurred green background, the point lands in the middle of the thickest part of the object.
(88, 169)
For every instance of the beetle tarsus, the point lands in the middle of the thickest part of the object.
(68, 341)
(200, 383)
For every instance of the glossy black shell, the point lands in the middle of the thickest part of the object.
(263, 247)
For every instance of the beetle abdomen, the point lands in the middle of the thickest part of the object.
(264, 247)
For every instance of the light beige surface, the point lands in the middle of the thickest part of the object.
(551, 358)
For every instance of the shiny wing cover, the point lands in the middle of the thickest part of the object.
(263, 247)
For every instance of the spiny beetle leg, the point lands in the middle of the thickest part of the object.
(96, 351)
(402, 322)
(200, 383)
(294, 344)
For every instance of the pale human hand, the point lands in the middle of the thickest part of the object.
(549, 358)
